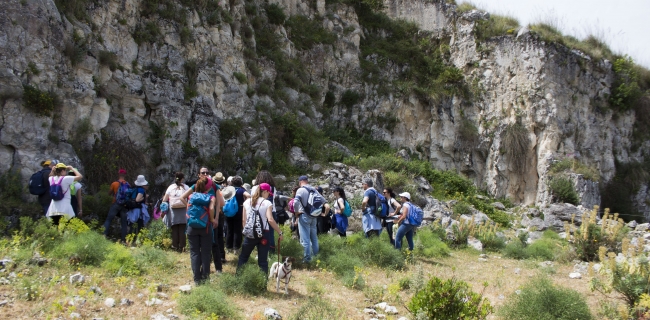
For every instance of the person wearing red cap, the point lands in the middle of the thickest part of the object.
(258, 203)
(117, 208)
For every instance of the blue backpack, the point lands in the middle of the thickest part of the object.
(231, 207)
(382, 205)
(415, 215)
(198, 210)
(122, 195)
(347, 211)
(56, 191)
(38, 185)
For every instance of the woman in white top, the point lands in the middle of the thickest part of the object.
(177, 210)
(260, 203)
(393, 212)
(63, 207)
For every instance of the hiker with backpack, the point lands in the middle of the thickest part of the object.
(177, 210)
(264, 176)
(212, 189)
(75, 197)
(60, 183)
(219, 236)
(342, 211)
(409, 220)
(393, 212)
(201, 208)
(308, 205)
(138, 214)
(119, 191)
(324, 221)
(372, 209)
(40, 186)
(293, 224)
(257, 217)
(234, 219)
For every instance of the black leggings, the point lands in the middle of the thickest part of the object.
(233, 237)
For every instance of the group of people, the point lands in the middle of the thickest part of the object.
(218, 215)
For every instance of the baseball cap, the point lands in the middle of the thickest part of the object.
(121, 171)
(405, 195)
(303, 178)
(266, 187)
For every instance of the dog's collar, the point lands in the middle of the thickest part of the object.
(286, 272)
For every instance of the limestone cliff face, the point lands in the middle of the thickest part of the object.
(552, 92)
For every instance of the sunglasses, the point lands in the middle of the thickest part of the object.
(204, 172)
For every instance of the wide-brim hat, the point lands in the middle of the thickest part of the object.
(140, 181)
(228, 192)
(219, 178)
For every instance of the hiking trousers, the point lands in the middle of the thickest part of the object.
(112, 213)
(404, 230)
(234, 235)
(308, 238)
(262, 246)
(200, 255)
(178, 237)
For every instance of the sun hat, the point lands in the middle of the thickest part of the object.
(61, 166)
(266, 187)
(218, 178)
(405, 195)
(122, 171)
(140, 181)
(228, 192)
(303, 178)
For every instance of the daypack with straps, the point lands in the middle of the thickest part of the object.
(122, 195)
(231, 207)
(315, 202)
(175, 201)
(198, 210)
(56, 190)
(38, 183)
(415, 215)
(347, 211)
(253, 228)
(381, 204)
(132, 194)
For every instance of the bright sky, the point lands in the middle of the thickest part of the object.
(623, 24)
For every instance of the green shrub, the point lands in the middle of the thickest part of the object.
(543, 249)
(316, 308)
(449, 299)
(516, 249)
(625, 89)
(540, 299)
(249, 280)
(562, 188)
(461, 208)
(88, 248)
(118, 261)
(148, 258)
(39, 101)
(275, 13)
(240, 77)
(350, 98)
(11, 185)
(44, 235)
(208, 301)
(573, 165)
(109, 59)
(305, 32)
(495, 26)
(491, 241)
(156, 234)
(147, 33)
(74, 9)
(429, 245)
(186, 35)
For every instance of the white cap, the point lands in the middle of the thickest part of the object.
(405, 195)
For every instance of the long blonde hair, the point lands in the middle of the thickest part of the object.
(256, 195)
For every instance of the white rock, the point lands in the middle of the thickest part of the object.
(381, 316)
(161, 295)
(186, 288)
(153, 301)
(369, 311)
(546, 264)
(517, 270)
(75, 315)
(273, 314)
(597, 267)
(482, 260)
(125, 302)
(475, 243)
(109, 302)
(158, 316)
(381, 305)
(575, 275)
(391, 310)
(77, 278)
(170, 310)
(403, 318)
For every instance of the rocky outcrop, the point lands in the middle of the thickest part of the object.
(552, 92)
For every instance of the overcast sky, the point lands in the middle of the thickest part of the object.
(623, 24)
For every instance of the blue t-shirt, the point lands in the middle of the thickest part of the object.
(370, 193)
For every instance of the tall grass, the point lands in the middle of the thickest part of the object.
(591, 45)
(207, 302)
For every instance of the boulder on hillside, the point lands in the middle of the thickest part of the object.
(557, 213)
(377, 179)
(341, 148)
(297, 158)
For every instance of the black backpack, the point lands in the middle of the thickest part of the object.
(38, 183)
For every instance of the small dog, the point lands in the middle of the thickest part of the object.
(281, 271)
